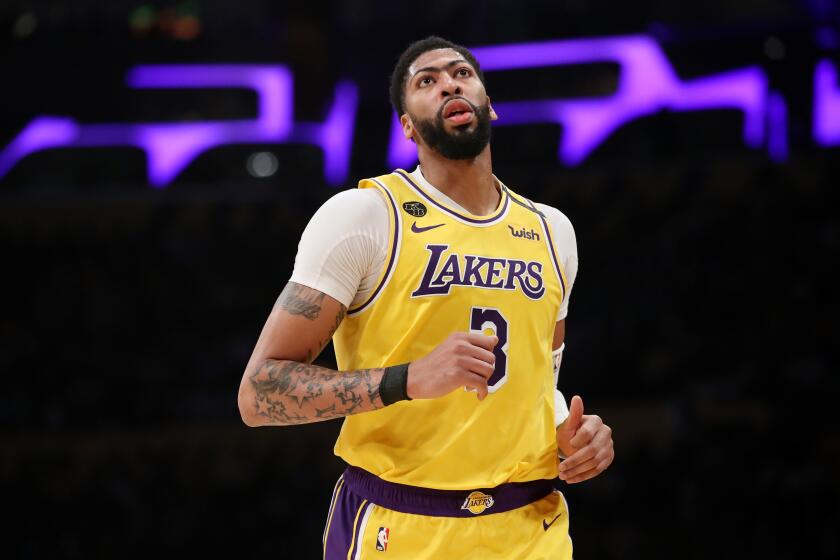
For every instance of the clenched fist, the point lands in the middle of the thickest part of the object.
(464, 359)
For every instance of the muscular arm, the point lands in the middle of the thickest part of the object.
(281, 387)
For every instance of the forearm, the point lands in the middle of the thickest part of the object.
(284, 392)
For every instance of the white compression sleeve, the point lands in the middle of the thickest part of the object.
(566, 243)
(342, 250)
(561, 409)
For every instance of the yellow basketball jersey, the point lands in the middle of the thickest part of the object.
(449, 271)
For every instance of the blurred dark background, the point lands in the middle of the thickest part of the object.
(700, 326)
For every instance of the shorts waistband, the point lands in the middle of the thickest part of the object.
(444, 503)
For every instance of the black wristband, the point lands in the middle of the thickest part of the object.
(394, 384)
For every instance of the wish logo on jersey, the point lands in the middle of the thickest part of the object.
(532, 235)
(478, 272)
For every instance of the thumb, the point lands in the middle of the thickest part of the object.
(575, 418)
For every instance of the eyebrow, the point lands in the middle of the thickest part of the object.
(438, 69)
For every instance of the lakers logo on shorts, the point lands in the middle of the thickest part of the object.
(477, 502)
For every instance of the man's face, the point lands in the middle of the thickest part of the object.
(446, 105)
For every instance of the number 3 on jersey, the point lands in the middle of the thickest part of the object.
(489, 321)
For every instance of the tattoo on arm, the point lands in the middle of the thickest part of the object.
(291, 392)
(313, 353)
(287, 392)
(300, 300)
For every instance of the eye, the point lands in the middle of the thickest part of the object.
(425, 81)
(464, 72)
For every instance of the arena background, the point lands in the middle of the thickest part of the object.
(700, 327)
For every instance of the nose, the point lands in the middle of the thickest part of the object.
(448, 86)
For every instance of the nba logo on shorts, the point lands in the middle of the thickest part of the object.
(382, 539)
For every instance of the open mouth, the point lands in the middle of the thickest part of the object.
(458, 111)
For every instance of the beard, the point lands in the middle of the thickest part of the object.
(461, 143)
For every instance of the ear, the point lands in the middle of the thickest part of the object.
(407, 126)
(493, 115)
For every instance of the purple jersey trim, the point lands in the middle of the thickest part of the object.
(451, 212)
(441, 503)
(391, 259)
(550, 249)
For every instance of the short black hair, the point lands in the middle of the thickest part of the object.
(411, 53)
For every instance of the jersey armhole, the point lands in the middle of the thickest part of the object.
(552, 248)
(394, 239)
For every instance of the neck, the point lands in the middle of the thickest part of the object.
(469, 182)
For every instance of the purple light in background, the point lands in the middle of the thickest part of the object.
(273, 85)
(827, 38)
(337, 133)
(777, 132)
(40, 134)
(826, 104)
(401, 151)
(171, 147)
(744, 90)
(335, 136)
(647, 84)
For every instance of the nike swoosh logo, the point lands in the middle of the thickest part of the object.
(547, 525)
(417, 229)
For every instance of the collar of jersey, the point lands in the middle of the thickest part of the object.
(459, 214)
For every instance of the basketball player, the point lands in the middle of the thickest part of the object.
(445, 294)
